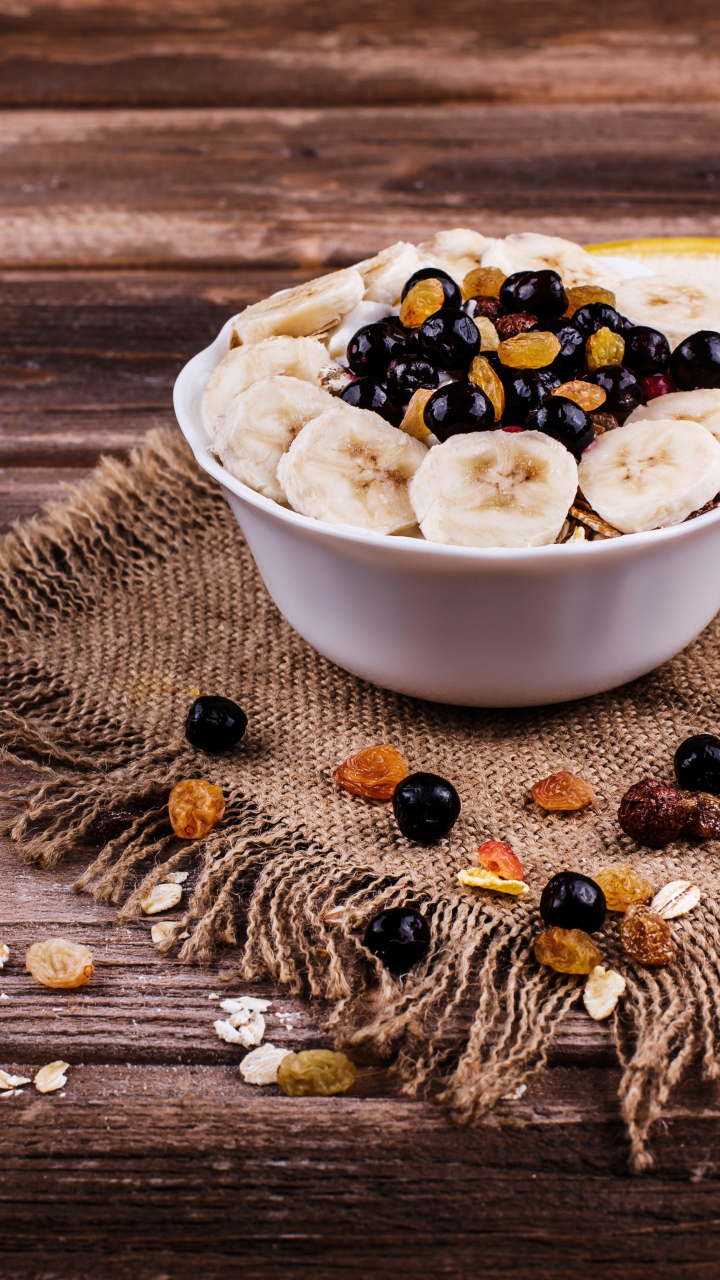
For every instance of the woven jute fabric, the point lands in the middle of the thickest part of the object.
(123, 602)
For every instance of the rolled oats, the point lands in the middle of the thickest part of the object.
(675, 899)
(261, 1066)
(162, 898)
(4, 953)
(12, 1082)
(602, 992)
(51, 1077)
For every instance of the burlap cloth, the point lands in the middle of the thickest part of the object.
(120, 604)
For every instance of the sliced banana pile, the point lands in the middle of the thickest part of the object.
(308, 309)
(701, 406)
(243, 366)
(349, 466)
(529, 251)
(651, 474)
(495, 489)
(676, 309)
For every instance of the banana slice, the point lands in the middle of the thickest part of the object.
(457, 251)
(677, 309)
(261, 424)
(297, 357)
(530, 251)
(701, 406)
(495, 489)
(651, 474)
(308, 309)
(364, 313)
(349, 466)
(386, 273)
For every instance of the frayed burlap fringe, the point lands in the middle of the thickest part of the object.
(121, 603)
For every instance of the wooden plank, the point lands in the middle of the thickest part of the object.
(311, 187)
(281, 53)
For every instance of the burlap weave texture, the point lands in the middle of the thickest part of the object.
(121, 603)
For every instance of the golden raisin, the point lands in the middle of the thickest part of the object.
(563, 791)
(484, 376)
(586, 394)
(567, 950)
(195, 807)
(603, 422)
(646, 937)
(623, 887)
(529, 350)
(413, 424)
(423, 300)
(373, 773)
(584, 294)
(315, 1073)
(489, 338)
(483, 282)
(652, 813)
(59, 963)
(703, 814)
(500, 859)
(604, 347)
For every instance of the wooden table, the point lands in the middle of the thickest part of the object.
(164, 165)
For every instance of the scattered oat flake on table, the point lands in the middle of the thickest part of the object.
(175, 877)
(213, 996)
(4, 953)
(239, 1003)
(51, 1077)
(261, 1066)
(516, 1094)
(602, 992)
(161, 898)
(248, 1033)
(675, 899)
(479, 878)
(12, 1082)
(161, 930)
(3, 996)
(563, 792)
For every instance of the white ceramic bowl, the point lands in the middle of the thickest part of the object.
(480, 627)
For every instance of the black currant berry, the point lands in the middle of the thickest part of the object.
(540, 292)
(450, 340)
(366, 393)
(453, 296)
(572, 901)
(696, 362)
(697, 763)
(622, 390)
(425, 807)
(371, 349)
(564, 421)
(399, 937)
(526, 389)
(408, 374)
(571, 356)
(457, 408)
(599, 315)
(646, 351)
(215, 724)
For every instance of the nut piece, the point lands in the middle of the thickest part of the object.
(195, 807)
(602, 992)
(675, 899)
(59, 963)
(652, 813)
(315, 1073)
(12, 1082)
(261, 1066)
(479, 878)
(161, 898)
(51, 1077)
(563, 791)
(4, 953)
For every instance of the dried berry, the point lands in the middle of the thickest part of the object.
(584, 394)
(647, 351)
(368, 393)
(604, 348)
(703, 815)
(453, 296)
(423, 300)
(484, 376)
(563, 791)
(697, 763)
(59, 963)
(565, 421)
(458, 408)
(696, 361)
(584, 294)
(479, 878)
(413, 424)
(598, 315)
(315, 1073)
(621, 387)
(529, 350)
(110, 823)
(540, 292)
(426, 807)
(525, 389)
(573, 901)
(195, 807)
(371, 349)
(500, 859)
(490, 308)
(215, 724)
(399, 937)
(510, 326)
(483, 282)
(373, 773)
(646, 937)
(567, 950)
(407, 375)
(652, 813)
(489, 337)
(602, 992)
(450, 340)
(623, 887)
(658, 384)
(603, 422)
(163, 897)
(675, 899)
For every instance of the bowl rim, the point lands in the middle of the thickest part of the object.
(195, 374)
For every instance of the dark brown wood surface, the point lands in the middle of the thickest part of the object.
(161, 167)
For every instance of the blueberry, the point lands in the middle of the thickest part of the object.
(457, 408)
(540, 292)
(453, 296)
(215, 724)
(646, 351)
(599, 315)
(572, 901)
(371, 349)
(408, 374)
(696, 362)
(697, 763)
(366, 393)
(399, 937)
(449, 339)
(564, 421)
(571, 356)
(425, 807)
(526, 389)
(621, 387)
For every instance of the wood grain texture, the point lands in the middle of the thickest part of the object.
(276, 52)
